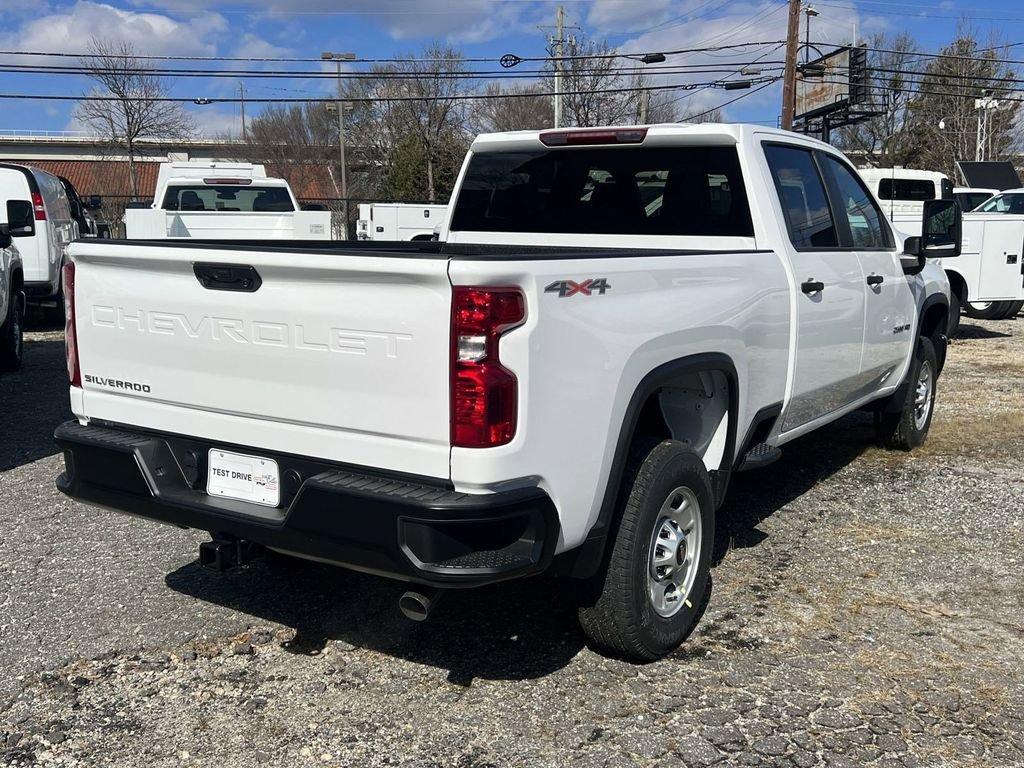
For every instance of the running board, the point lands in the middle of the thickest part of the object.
(761, 455)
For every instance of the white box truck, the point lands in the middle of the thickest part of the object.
(399, 221)
(216, 200)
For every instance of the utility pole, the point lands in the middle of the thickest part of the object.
(338, 58)
(789, 73)
(241, 93)
(559, 50)
(982, 146)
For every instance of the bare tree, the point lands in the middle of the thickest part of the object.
(132, 107)
(713, 115)
(947, 97)
(418, 97)
(510, 109)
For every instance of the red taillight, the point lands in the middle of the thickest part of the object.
(590, 136)
(483, 391)
(227, 181)
(38, 207)
(70, 333)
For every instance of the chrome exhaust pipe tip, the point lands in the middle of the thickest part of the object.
(416, 606)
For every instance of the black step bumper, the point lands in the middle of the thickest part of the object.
(403, 528)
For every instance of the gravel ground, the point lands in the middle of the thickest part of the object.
(868, 609)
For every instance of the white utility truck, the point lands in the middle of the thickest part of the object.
(615, 321)
(398, 221)
(218, 200)
(987, 283)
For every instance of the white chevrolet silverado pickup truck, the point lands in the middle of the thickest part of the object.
(615, 321)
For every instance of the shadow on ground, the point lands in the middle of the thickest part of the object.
(512, 631)
(33, 401)
(967, 331)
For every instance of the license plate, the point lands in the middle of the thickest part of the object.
(247, 478)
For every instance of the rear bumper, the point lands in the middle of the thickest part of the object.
(393, 526)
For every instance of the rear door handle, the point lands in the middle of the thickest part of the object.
(228, 277)
(812, 286)
(875, 280)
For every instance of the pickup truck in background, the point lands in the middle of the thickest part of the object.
(398, 221)
(987, 283)
(616, 321)
(217, 200)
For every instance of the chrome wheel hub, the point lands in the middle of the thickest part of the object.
(923, 392)
(675, 547)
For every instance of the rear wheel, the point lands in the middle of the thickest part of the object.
(907, 428)
(12, 343)
(655, 583)
(981, 310)
(1011, 310)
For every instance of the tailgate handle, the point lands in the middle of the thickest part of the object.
(228, 277)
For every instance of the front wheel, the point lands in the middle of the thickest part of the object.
(982, 310)
(907, 428)
(654, 585)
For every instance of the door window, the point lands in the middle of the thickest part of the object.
(802, 193)
(854, 204)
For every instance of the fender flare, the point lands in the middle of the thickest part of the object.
(585, 559)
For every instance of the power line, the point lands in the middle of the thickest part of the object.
(405, 60)
(375, 100)
(732, 101)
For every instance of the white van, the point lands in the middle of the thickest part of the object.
(42, 249)
(902, 192)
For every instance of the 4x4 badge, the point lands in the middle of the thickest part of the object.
(566, 288)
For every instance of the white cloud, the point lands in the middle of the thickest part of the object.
(607, 16)
(70, 28)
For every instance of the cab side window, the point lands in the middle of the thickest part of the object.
(867, 227)
(802, 193)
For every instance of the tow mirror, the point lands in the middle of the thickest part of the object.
(941, 235)
(21, 218)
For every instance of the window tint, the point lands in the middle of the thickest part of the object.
(971, 200)
(802, 193)
(907, 189)
(227, 198)
(853, 202)
(1005, 203)
(598, 190)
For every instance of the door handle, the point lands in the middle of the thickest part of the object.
(874, 280)
(812, 286)
(228, 277)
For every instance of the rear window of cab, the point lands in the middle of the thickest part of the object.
(601, 190)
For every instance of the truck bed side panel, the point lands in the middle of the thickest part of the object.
(579, 358)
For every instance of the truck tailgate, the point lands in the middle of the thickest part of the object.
(340, 356)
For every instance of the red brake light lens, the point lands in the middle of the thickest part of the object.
(590, 137)
(227, 181)
(70, 330)
(38, 207)
(483, 391)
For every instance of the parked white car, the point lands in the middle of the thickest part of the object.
(43, 244)
(1009, 201)
(567, 382)
(216, 200)
(399, 221)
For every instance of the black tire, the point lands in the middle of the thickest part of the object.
(12, 342)
(955, 307)
(1011, 310)
(620, 617)
(905, 429)
(984, 310)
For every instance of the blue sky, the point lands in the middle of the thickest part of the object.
(481, 28)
